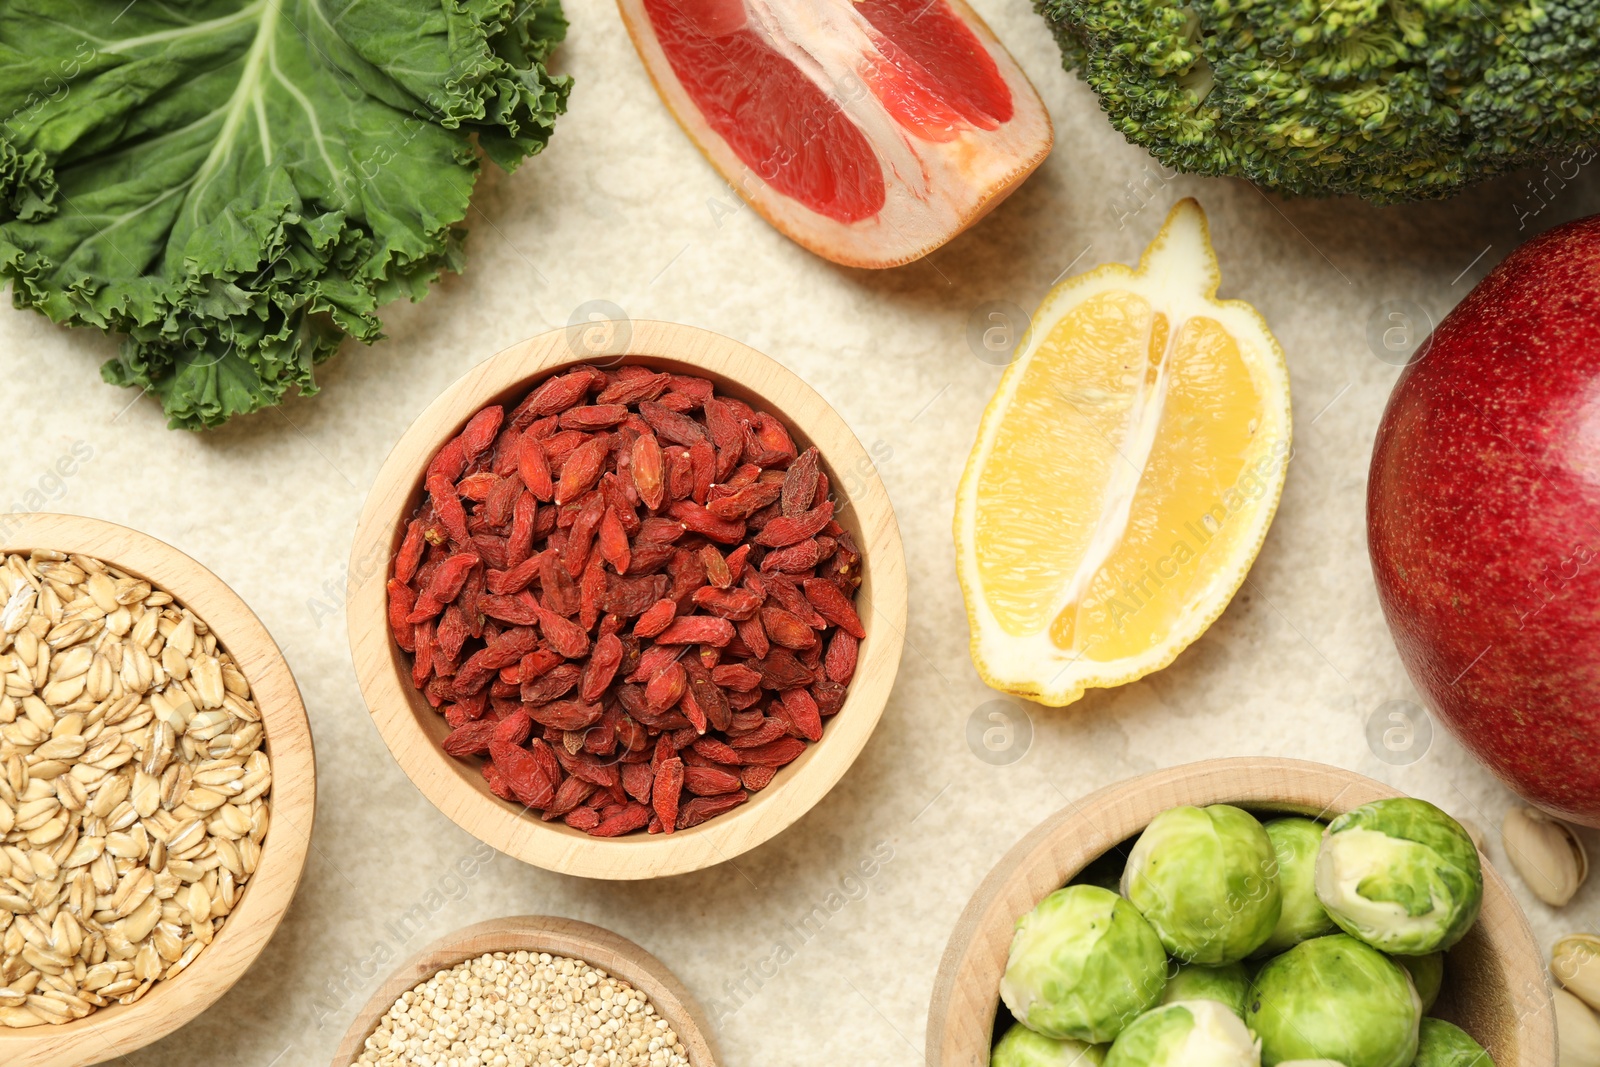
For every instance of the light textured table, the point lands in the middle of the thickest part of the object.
(806, 961)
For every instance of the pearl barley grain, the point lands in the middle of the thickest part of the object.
(523, 1009)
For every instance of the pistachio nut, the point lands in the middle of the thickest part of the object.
(1546, 853)
(1578, 1031)
(1575, 962)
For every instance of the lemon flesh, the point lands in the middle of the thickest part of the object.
(1124, 475)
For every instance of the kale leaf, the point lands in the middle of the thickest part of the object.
(238, 184)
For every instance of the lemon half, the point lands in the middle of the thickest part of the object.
(1124, 475)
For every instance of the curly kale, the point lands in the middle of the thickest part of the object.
(1387, 99)
(237, 185)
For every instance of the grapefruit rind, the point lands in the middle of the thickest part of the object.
(905, 229)
(1179, 274)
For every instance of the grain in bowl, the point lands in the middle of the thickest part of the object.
(134, 793)
(517, 1009)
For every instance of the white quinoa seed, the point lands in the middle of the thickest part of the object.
(523, 1009)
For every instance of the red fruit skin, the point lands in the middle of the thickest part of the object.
(1483, 520)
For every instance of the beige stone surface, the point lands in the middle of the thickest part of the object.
(622, 208)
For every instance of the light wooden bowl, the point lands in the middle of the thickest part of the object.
(610, 952)
(1495, 986)
(120, 1029)
(413, 730)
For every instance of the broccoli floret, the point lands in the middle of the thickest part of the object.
(1387, 99)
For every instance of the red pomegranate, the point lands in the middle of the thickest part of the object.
(1483, 520)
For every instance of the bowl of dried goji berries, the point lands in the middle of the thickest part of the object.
(628, 608)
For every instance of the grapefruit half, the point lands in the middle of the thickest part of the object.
(868, 131)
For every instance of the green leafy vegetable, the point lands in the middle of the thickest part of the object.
(238, 185)
(1388, 100)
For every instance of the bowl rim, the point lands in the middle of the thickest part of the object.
(396, 707)
(596, 946)
(961, 1019)
(120, 1029)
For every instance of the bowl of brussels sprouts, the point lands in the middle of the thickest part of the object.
(1251, 912)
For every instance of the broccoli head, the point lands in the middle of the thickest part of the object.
(1387, 99)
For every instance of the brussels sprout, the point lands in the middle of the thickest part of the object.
(1427, 974)
(1021, 1047)
(1206, 879)
(1443, 1045)
(1401, 875)
(1296, 842)
(1310, 1063)
(1335, 998)
(1228, 985)
(1083, 965)
(1188, 1033)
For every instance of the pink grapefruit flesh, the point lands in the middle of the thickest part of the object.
(870, 132)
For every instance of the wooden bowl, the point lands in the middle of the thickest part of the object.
(413, 730)
(610, 952)
(120, 1029)
(1495, 986)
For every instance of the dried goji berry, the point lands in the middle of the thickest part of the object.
(402, 601)
(583, 819)
(780, 670)
(637, 779)
(514, 729)
(708, 781)
(533, 465)
(666, 791)
(633, 817)
(689, 707)
(736, 676)
(656, 618)
(523, 773)
(716, 567)
(512, 609)
(560, 393)
(470, 739)
(745, 502)
(788, 530)
(614, 541)
(699, 809)
(670, 425)
(496, 780)
(409, 556)
(795, 559)
(581, 471)
(566, 714)
(666, 687)
(571, 793)
(785, 629)
(754, 636)
(756, 779)
(834, 606)
(840, 662)
(631, 390)
(767, 443)
(601, 668)
(698, 520)
(803, 713)
(451, 576)
(593, 417)
(565, 636)
(800, 483)
(649, 471)
(553, 685)
(697, 630)
(779, 753)
(712, 701)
